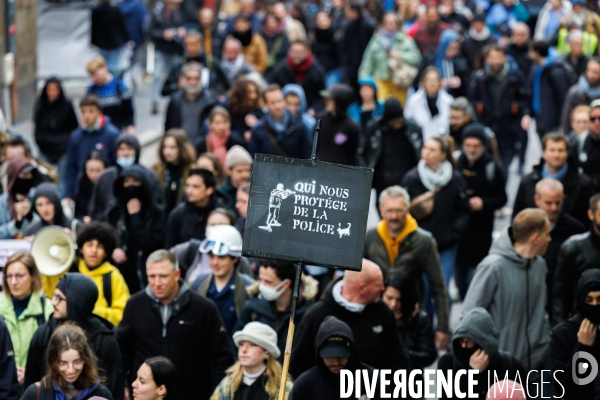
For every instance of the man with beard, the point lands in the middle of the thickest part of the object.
(189, 107)
(427, 36)
(212, 74)
(485, 189)
(578, 333)
(549, 196)
(499, 95)
(518, 48)
(461, 116)
(578, 254)
(507, 284)
(584, 92)
(392, 146)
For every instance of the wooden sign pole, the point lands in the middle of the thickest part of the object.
(295, 294)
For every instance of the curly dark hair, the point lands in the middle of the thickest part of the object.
(103, 233)
(238, 97)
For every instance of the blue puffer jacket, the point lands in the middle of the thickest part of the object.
(355, 108)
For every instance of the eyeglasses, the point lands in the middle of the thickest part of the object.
(17, 277)
(75, 364)
(217, 247)
(58, 298)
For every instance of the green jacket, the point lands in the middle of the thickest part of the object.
(375, 58)
(22, 329)
(223, 391)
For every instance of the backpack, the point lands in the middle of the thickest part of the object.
(42, 318)
(572, 76)
(191, 252)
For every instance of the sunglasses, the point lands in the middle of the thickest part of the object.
(593, 119)
(217, 247)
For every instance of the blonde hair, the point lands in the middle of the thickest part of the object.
(273, 374)
(27, 260)
(95, 64)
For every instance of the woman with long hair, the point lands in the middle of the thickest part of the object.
(157, 379)
(245, 106)
(257, 373)
(94, 165)
(176, 157)
(450, 215)
(22, 306)
(219, 139)
(211, 162)
(72, 369)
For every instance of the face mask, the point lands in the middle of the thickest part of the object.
(271, 293)
(591, 312)
(133, 192)
(125, 162)
(463, 354)
(22, 186)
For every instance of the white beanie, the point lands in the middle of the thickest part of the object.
(259, 334)
(237, 155)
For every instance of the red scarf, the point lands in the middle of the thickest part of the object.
(301, 69)
(217, 146)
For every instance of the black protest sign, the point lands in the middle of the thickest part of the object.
(307, 211)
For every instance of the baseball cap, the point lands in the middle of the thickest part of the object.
(336, 346)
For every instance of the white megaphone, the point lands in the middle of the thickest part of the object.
(53, 250)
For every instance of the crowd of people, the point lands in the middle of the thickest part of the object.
(436, 98)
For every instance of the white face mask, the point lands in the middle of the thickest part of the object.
(271, 293)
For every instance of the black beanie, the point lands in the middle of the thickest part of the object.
(392, 108)
(62, 285)
(477, 131)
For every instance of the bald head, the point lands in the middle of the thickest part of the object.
(363, 287)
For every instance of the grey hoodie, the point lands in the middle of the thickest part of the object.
(513, 290)
(479, 327)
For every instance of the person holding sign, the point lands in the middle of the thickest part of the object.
(256, 374)
(355, 300)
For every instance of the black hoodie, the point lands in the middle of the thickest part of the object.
(340, 135)
(319, 382)
(81, 293)
(53, 123)
(139, 234)
(564, 344)
(102, 195)
(50, 191)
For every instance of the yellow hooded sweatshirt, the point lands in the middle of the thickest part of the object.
(120, 291)
(392, 246)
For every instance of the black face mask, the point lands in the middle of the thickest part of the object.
(463, 354)
(22, 186)
(133, 192)
(591, 312)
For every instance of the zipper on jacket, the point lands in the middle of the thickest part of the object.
(164, 331)
(527, 314)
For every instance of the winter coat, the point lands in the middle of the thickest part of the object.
(427, 41)
(313, 82)
(587, 155)
(577, 186)
(50, 191)
(174, 117)
(565, 227)
(22, 329)
(223, 391)
(256, 53)
(500, 105)
(460, 69)
(53, 122)
(418, 339)
(261, 310)
(50, 393)
(374, 330)
(278, 46)
(99, 333)
(217, 79)
(325, 47)
(160, 170)
(384, 153)
(160, 20)
(139, 234)
(575, 97)
(81, 143)
(188, 331)
(499, 16)
(117, 102)
(578, 254)
(108, 29)
(375, 60)
(544, 16)
(520, 55)
(471, 49)
(134, 12)
(355, 109)
(9, 385)
(478, 326)
(484, 179)
(450, 216)
(294, 141)
(417, 256)
(565, 344)
(355, 38)
(187, 221)
(512, 289)
(320, 383)
(417, 110)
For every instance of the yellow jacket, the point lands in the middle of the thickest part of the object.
(120, 291)
(256, 53)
